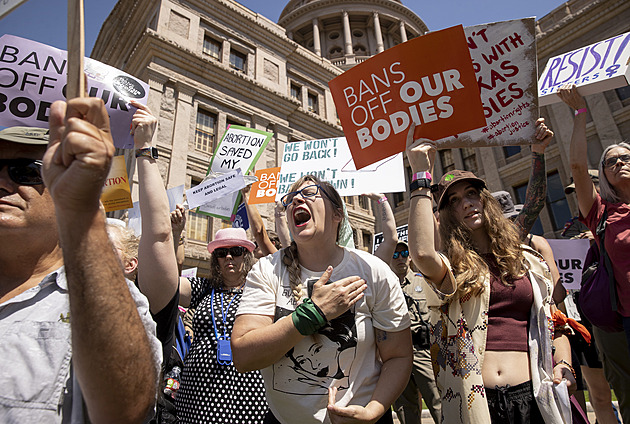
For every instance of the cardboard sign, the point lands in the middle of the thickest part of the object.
(265, 189)
(428, 80)
(504, 60)
(596, 68)
(569, 256)
(215, 188)
(116, 192)
(240, 219)
(33, 76)
(378, 237)
(7, 6)
(240, 148)
(330, 159)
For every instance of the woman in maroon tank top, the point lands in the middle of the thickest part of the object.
(493, 336)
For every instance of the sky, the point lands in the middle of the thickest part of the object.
(45, 20)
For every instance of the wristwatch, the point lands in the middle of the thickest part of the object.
(150, 152)
(420, 180)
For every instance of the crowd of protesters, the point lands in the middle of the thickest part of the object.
(304, 328)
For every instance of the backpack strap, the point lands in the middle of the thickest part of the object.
(612, 286)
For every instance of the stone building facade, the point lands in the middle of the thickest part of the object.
(211, 64)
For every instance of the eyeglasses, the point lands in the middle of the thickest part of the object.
(23, 171)
(222, 252)
(612, 161)
(403, 253)
(308, 191)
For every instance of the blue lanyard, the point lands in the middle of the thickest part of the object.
(223, 316)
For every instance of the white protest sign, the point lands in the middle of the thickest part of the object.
(595, 68)
(569, 256)
(215, 188)
(378, 237)
(175, 195)
(239, 148)
(223, 207)
(330, 159)
(33, 76)
(189, 273)
(504, 61)
(7, 6)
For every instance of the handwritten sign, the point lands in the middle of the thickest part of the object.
(33, 76)
(116, 192)
(569, 256)
(215, 188)
(595, 68)
(330, 159)
(401, 232)
(504, 60)
(239, 148)
(265, 189)
(428, 80)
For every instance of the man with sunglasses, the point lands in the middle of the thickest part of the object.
(421, 384)
(77, 339)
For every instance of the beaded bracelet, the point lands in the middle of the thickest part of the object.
(562, 361)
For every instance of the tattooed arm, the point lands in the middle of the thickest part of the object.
(537, 187)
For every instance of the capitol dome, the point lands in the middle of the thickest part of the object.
(348, 32)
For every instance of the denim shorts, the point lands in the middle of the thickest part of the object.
(513, 404)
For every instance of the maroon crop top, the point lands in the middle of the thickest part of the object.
(509, 311)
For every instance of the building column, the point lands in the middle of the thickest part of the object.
(181, 135)
(403, 32)
(317, 45)
(607, 129)
(491, 170)
(347, 34)
(377, 33)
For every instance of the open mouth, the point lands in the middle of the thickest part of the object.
(472, 214)
(301, 216)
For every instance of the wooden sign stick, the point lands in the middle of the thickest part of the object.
(76, 48)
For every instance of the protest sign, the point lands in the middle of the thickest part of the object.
(240, 147)
(223, 208)
(569, 256)
(504, 60)
(595, 68)
(428, 80)
(33, 76)
(215, 188)
(7, 6)
(378, 237)
(116, 193)
(240, 219)
(189, 273)
(264, 190)
(330, 159)
(175, 196)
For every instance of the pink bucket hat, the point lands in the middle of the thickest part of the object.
(230, 237)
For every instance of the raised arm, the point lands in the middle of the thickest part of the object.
(584, 187)
(386, 249)
(421, 154)
(256, 225)
(111, 353)
(537, 187)
(178, 224)
(282, 228)
(157, 264)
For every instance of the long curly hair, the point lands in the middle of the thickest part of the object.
(290, 256)
(216, 279)
(469, 267)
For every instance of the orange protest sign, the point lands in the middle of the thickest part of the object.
(264, 190)
(116, 193)
(428, 80)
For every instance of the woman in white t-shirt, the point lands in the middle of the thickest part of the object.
(326, 325)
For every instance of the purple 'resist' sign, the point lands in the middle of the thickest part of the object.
(33, 76)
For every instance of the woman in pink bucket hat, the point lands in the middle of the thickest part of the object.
(211, 388)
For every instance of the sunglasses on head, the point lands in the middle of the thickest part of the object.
(403, 253)
(612, 161)
(222, 252)
(23, 171)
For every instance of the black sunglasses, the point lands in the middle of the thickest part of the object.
(403, 253)
(23, 171)
(222, 252)
(612, 161)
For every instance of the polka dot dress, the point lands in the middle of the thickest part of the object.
(211, 392)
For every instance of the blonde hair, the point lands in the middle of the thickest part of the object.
(290, 257)
(127, 240)
(469, 268)
(606, 190)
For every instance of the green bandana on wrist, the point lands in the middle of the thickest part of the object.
(308, 318)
